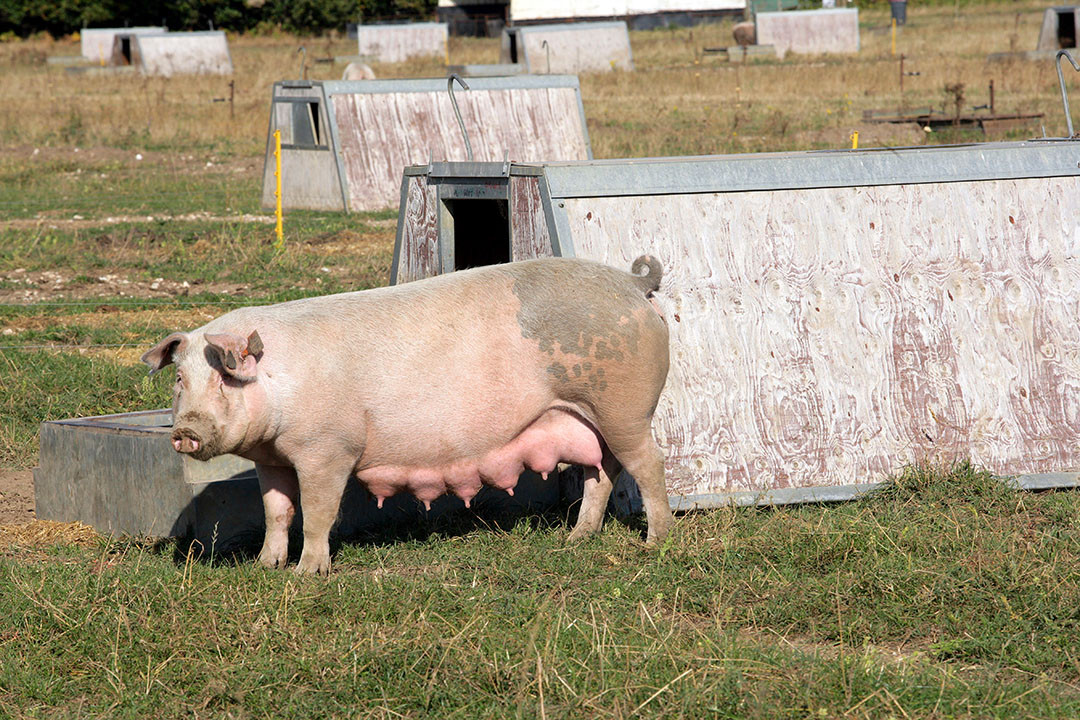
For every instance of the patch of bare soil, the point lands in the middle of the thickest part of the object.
(200, 162)
(23, 286)
(16, 497)
(51, 222)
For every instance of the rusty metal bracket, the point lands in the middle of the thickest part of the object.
(1061, 82)
(453, 101)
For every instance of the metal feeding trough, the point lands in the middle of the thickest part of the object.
(345, 143)
(834, 315)
(120, 475)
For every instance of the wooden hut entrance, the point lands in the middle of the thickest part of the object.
(481, 232)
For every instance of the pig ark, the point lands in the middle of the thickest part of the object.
(435, 386)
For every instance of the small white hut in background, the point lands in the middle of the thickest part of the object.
(568, 48)
(96, 44)
(392, 43)
(810, 32)
(638, 14)
(168, 54)
(1060, 28)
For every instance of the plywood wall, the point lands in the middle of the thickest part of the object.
(578, 47)
(379, 134)
(395, 43)
(198, 53)
(830, 336)
(418, 249)
(810, 32)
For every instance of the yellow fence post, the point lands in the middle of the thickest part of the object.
(894, 36)
(277, 190)
(855, 140)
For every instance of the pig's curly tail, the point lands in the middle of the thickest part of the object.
(649, 281)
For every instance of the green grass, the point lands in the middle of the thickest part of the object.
(945, 596)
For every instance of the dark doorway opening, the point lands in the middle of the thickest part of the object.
(305, 119)
(1066, 28)
(513, 45)
(481, 232)
(125, 48)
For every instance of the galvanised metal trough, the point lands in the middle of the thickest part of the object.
(834, 315)
(345, 143)
(120, 475)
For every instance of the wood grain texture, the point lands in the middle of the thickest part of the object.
(578, 47)
(529, 236)
(419, 252)
(381, 133)
(396, 43)
(810, 32)
(830, 336)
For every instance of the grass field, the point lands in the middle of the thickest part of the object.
(129, 207)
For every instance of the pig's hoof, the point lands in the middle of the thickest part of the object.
(313, 566)
(578, 534)
(273, 560)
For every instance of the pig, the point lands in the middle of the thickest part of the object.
(358, 71)
(435, 386)
(745, 33)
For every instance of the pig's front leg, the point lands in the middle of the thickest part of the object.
(279, 489)
(321, 486)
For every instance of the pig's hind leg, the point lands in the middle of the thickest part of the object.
(594, 500)
(279, 488)
(645, 463)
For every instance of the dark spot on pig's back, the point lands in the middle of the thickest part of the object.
(578, 309)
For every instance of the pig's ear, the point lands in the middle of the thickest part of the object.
(236, 355)
(161, 354)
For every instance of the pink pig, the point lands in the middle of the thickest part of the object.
(435, 386)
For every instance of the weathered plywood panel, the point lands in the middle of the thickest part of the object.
(809, 32)
(96, 43)
(576, 47)
(196, 53)
(829, 336)
(379, 134)
(529, 236)
(395, 43)
(418, 254)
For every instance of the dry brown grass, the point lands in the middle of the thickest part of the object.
(41, 534)
(679, 101)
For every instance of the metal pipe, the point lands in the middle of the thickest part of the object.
(453, 101)
(1061, 81)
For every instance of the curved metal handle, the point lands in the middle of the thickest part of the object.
(303, 61)
(547, 51)
(1061, 81)
(453, 101)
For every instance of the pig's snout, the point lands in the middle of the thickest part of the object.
(186, 440)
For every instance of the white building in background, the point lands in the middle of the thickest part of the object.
(487, 16)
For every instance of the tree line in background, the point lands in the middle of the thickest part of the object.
(61, 17)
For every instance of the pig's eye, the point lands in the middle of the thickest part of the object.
(179, 380)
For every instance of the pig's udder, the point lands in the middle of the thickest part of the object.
(557, 436)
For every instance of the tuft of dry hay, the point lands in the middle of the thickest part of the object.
(41, 534)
